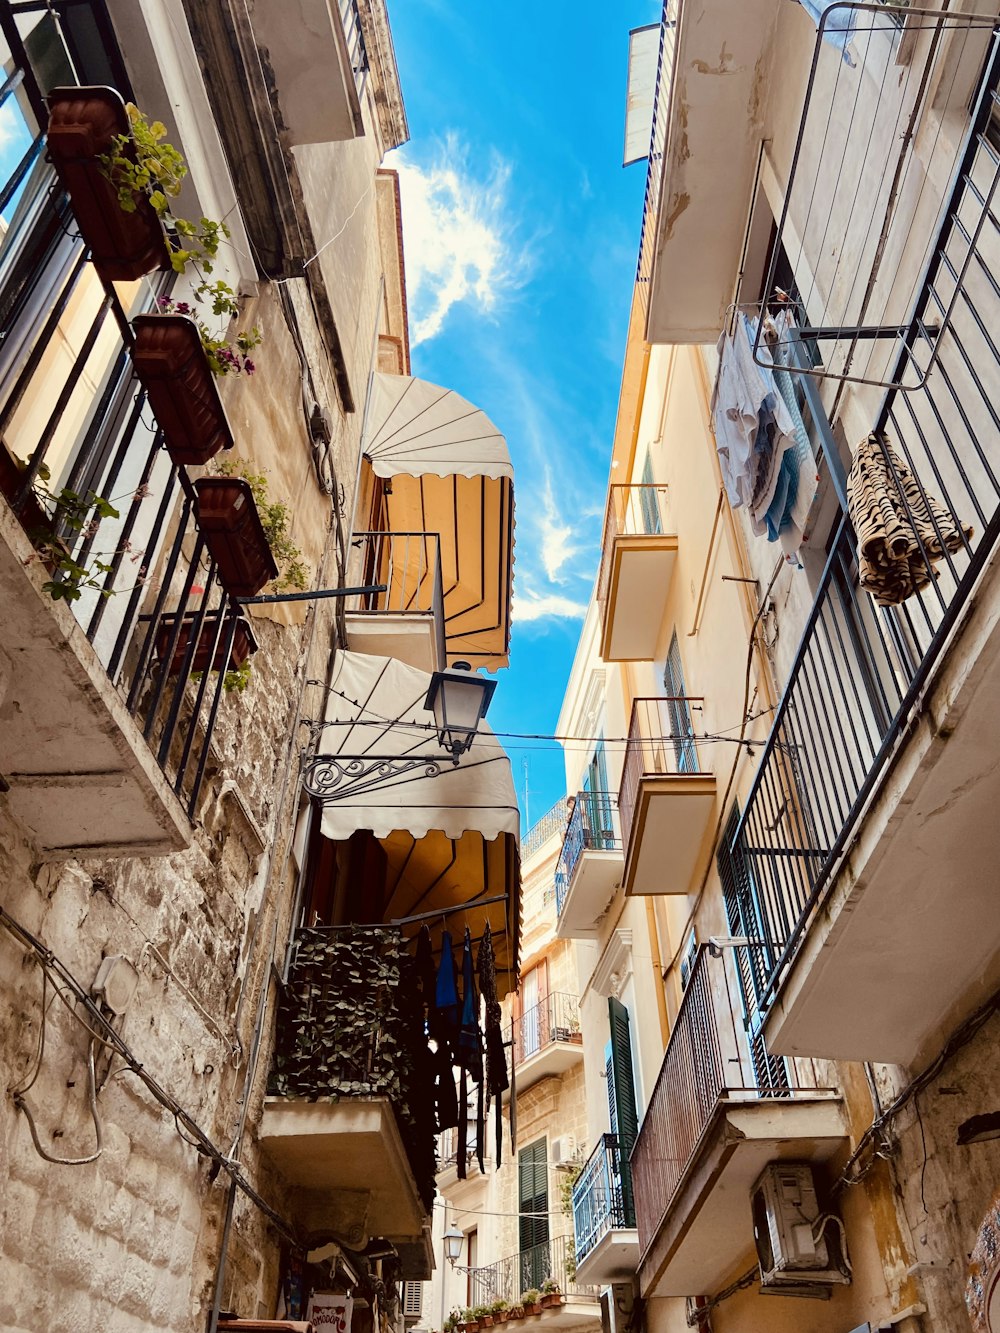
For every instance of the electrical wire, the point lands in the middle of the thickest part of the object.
(104, 1032)
(22, 1106)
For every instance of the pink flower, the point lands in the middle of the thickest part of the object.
(141, 492)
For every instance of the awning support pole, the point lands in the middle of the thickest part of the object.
(269, 598)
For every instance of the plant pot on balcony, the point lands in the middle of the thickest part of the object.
(550, 1298)
(171, 364)
(244, 645)
(533, 1308)
(228, 517)
(82, 124)
(486, 1321)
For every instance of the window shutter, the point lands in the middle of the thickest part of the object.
(412, 1293)
(621, 1098)
(533, 1197)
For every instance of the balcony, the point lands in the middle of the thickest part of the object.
(870, 832)
(590, 866)
(528, 1269)
(607, 1243)
(638, 555)
(717, 1115)
(407, 620)
(349, 1119)
(703, 156)
(665, 800)
(547, 1039)
(317, 56)
(447, 1158)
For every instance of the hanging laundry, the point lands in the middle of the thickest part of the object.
(469, 1050)
(445, 1096)
(901, 529)
(839, 28)
(798, 478)
(753, 428)
(496, 1060)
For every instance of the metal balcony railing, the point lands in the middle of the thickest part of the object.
(660, 742)
(74, 418)
(556, 1018)
(632, 511)
(340, 1038)
(860, 669)
(602, 1196)
(593, 826)
(657, 146)
(708, 1060)
(447, 1150)
(527, 1270)
(350, 17)
(409, 565)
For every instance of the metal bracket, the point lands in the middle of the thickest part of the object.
(333, 777)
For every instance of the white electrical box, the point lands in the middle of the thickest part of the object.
(564, 1150)
(794, 1245)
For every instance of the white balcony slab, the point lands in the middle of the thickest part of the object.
(642, 568)
(347, 1168)
(308, 57)
(571, 1312)
(591, 886)
(908, 943)
(707, 1229)
(412, 637)
(550, 1060)
(669, 827)
(717, 89)
(82, 780)
(615, 1258)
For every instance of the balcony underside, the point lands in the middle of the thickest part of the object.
(638, 585)
(595, 877)
(309, 59)
(82, 780)
(672, 813)
(614, 1258)
(549, 1061)
(707, 1231)
(573, 1311)
(713, 137)
(348, 1170)
(410, 637)
(909, 943)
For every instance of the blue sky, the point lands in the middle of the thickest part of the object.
(520, 230)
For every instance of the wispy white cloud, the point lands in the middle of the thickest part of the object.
(557, 547)
(457, 232)
(533, 606)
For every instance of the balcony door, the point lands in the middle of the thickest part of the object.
(652, 524)
(533, 1024)
(533, 1210)
(599, 832)
(678, 713)
(622, 1109)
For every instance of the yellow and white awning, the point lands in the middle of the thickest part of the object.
(449, 471)
(448, 832)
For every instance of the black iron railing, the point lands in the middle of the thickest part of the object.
(593, 826)
(602, 1196)
(709, 1060)
(657, 146)
(554, 1019)
(505, 1280)
(350, 1024)
(73, 417)
(861, 669)
(660, 742)
(357, 51)
(638, 510)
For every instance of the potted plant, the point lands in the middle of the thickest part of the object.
(499, 1311)
(244, 645)
(531, 1301)
(469, 1322)
(234, 534)
(481, 1314)
(516, 1311)
(170, 362)
(551, 1294)
(84, 125)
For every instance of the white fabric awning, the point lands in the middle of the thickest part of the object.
(415, 428)
(446, 469)
(376, 710)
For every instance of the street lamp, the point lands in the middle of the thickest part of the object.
(458, 698)
(453, 1242)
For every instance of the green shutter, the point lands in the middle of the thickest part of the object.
(621, 1091)
(533, 1197)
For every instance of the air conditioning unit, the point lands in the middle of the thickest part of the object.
(564, 1150)
(797, 1246)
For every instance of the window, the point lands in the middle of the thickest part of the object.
(621, 1096)
(412, 1299)
(472, 1292)
(533, 1207)
(688, 956)
(652, 524)
(599, 830)
(531, 1028)
(678, 711)
(754, 960)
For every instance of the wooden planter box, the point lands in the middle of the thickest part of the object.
(171, 364)
(227, 515)
(244, 645)
(534, 1308)
(550, 1298)
(82, 123)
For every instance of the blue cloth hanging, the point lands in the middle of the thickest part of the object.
(446, 991)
